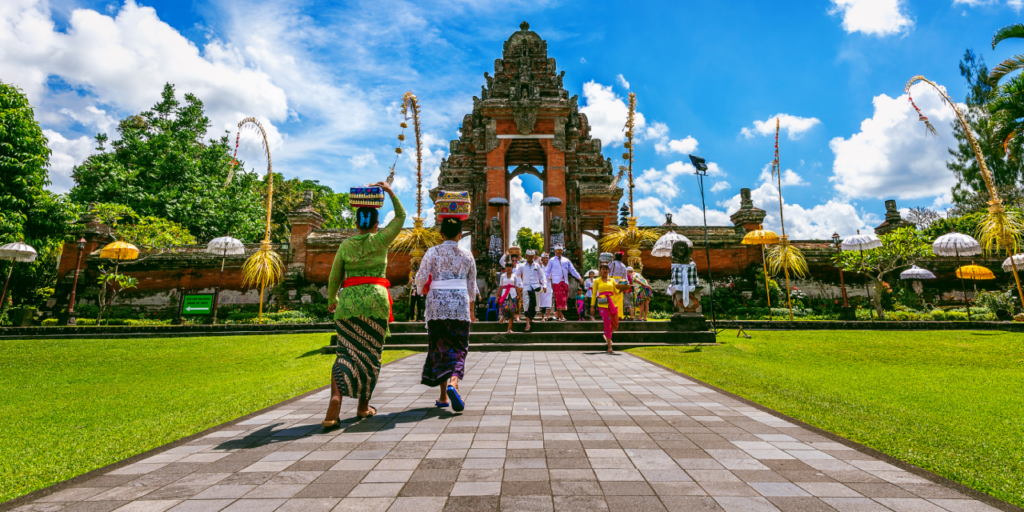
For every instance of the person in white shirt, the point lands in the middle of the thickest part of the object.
(558, 271)
(533, 281)
(510, 286)
(544, 297)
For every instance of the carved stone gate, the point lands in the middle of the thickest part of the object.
(524, 122)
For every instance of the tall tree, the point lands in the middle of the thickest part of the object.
(163, 165)
(1007, 170)
(289, 194)
(28, 211)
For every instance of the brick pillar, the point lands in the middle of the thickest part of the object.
(554, 186)
(304, 220)
(96, 236)
(496, 186)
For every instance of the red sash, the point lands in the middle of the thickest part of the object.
(379, 281)
(613, 311)
(504, 295)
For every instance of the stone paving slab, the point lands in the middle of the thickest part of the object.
(542, 431)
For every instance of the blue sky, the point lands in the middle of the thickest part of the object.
(710, 77)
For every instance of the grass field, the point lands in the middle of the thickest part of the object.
(951, 402)
(70, 406)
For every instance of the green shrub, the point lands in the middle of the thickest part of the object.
(49, 322)
(995, 301)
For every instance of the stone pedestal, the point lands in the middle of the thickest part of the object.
(848, 313)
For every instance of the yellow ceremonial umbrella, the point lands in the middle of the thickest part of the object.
(974, 273)
(762, 237)
(118, 251)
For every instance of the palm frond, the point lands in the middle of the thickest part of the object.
(263, 268)
(1000, 230)
(1015, 30)
(410, 239)
(627, 237)
(1005, 67)
(784, 256)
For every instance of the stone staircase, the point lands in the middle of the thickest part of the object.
(490, 336)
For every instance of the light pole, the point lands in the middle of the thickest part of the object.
(74, 286)
(701, 170)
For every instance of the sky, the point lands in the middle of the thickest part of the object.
(327, 78)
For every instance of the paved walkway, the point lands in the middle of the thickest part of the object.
(543, 431)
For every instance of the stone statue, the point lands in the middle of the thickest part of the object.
(557, 231)
(495, 227)
(684, 301)
(494, 248)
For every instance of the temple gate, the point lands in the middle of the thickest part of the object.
(524, 122)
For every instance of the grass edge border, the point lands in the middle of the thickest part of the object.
(64, 484)
(923, 473)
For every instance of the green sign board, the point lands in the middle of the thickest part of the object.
(197, 305)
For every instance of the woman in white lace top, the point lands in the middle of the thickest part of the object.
(449, 273)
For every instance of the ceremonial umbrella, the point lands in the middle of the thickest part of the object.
(550, 201)
(16, 251)
(763, 237)
(1017, 258)
(663, 247)
(860, 242)
(497, 201)
(957, 244)
(974, 273)
(118, 251)
(916, 274)
(224, 246)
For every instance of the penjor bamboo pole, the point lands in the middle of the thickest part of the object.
(767, 291)
(782, 221)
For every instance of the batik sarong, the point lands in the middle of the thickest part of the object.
(360, 340)
(446, 353)
(561, 295)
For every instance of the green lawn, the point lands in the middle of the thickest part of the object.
(70, 406)
(951, 402)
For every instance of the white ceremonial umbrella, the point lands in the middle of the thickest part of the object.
(223, 246)
(916, 272)
(861, 242)
(663, 247)
(956, 244)
(14, 251)
(1018, 259)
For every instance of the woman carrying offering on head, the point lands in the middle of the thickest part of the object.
(605, 292)
(447, 276)
(362, 309)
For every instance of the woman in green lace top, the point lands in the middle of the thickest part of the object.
(362, 308)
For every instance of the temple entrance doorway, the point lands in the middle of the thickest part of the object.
(525, 192)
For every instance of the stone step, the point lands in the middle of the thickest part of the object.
(682, 323)
(567, 340)
(506, 347)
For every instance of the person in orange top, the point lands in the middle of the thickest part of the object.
(604, 297)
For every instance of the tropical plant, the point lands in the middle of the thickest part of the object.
(164, 165)
(900, 248)
(784, 256)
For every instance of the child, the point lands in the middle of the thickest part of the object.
(580, 304)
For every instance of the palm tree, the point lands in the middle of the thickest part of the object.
(1007, 102)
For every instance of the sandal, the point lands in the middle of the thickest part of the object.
(336, 422)
(438, 403)
(453, 395)
(371, 410)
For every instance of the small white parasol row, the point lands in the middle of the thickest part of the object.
(1017, 258)
(663, 247)
(957, 244)
(15, 251)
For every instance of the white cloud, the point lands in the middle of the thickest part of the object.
(1013, 4)
(606, 112)
(872, 17)
(524, 211)
(362, 160)
(794, 126)
(622, 81)
(893, 156)
(789, 177)
(67, 153)
(818, 222)
(652, 210)
(664, 183)
(683, 146)
(720, 186)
